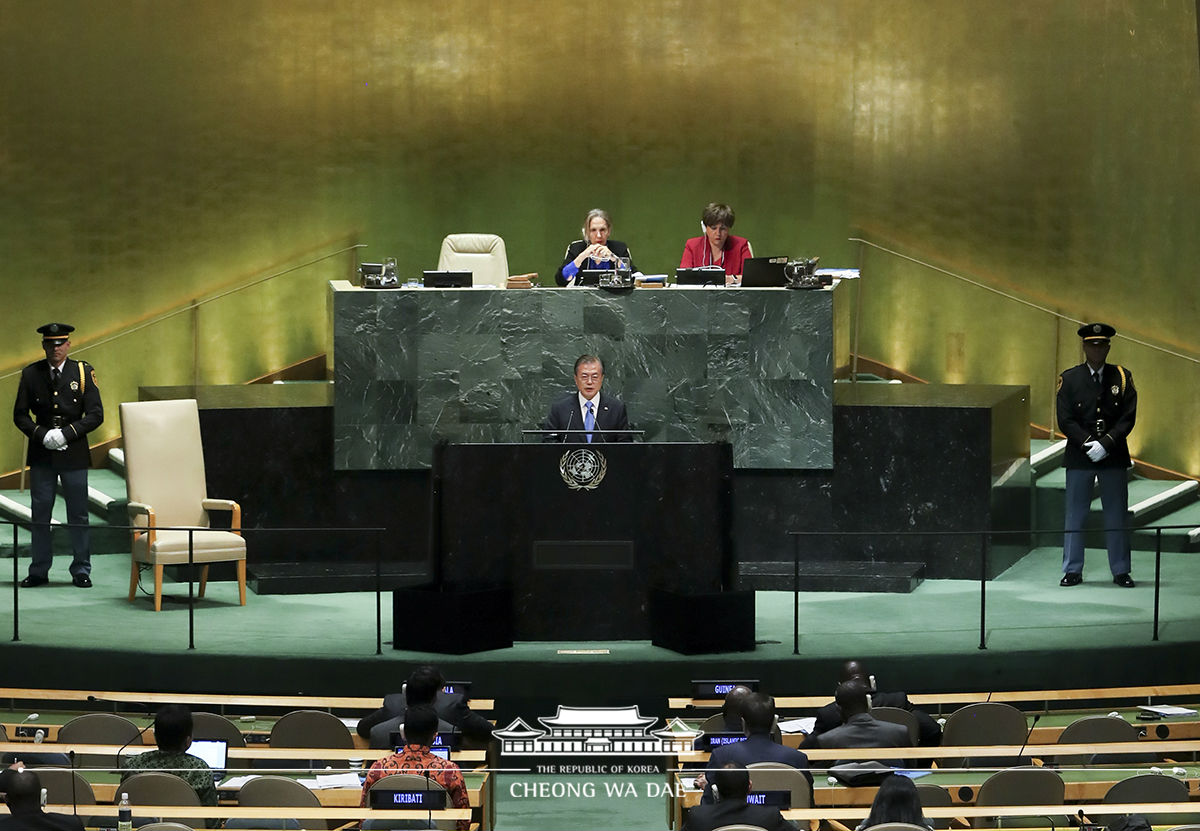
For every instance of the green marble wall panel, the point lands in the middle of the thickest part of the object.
(753, 367)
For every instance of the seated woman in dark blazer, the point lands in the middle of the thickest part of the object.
(595, 250)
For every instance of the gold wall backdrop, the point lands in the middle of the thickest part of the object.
(153, 152)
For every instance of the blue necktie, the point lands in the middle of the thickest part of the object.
(589, 421)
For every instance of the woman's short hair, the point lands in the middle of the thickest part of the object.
(592, 214)
(716, 214)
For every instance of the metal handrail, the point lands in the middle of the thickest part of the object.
(1016, 299)
(193, 305)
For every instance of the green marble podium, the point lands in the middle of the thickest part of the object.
(753, 367)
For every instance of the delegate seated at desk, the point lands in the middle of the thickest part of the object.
(173, 735)
(22, 792)
(859, 728)
(587, 409)
(420, 729)
(424, 688)
(595, 250)
(734, 785)
(758, 714)
(717, 246)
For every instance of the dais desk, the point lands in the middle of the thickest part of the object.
(753, 367)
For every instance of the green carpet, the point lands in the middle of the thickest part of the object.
(940, 616)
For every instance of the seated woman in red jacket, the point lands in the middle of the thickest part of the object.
(717, 246)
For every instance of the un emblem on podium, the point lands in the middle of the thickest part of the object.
(583, 469)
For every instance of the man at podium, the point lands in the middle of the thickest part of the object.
(587, 410)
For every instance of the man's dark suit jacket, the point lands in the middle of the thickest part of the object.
(733, 812)
(929, 734)
(39, 821)
(576, 248)
(864, 730)
(758, 747)
(565, 415)
(453, 713)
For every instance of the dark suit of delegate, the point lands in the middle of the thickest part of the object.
(758, 747)
(864, 730)
(39, 821)
(929, 734)
(73, 405)
(453, 713)
(618, 248)
(1104, 411)
(735, 812)
(566, 414)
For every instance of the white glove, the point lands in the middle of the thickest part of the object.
(54, 439)
(1095, 450)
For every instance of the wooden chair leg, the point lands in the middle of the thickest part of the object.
(203, 579)
(241, 575)
(133, 578)
(158, 580)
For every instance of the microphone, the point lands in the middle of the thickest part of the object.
(74, 798)
(570, 420)
(140, 733)
(39, 735)
(1021, 752)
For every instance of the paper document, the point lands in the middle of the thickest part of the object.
(1167, 710)
(798, 725)
(338, 780)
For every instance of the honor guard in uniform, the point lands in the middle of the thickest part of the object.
(1097, 406)
(58, 404)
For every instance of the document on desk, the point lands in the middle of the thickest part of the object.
(799, 725)
(235, 783)
(324, 781)
(1167, 710)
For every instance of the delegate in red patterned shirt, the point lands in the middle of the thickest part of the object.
(416, 758)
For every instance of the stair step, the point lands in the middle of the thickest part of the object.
(1184, 538)
(331, 577)
(1172, 496)
(1046, 455)
(831, 576)
(116, 460)
(15, 507)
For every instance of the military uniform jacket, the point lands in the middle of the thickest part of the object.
(1081, 403)
(76, 400)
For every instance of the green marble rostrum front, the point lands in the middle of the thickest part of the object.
(414, 366)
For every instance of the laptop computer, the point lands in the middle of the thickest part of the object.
(763, 272)
(448, 280)
(215, 754)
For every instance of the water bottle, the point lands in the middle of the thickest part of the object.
(124, 814)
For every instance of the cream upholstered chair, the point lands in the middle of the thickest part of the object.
(164, 472)
(483, 255)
